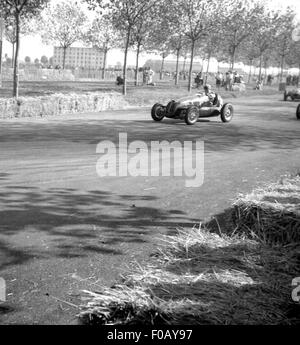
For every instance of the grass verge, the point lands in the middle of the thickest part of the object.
(203, 277)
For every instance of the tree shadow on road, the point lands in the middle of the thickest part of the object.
(218, 137)
(62, 222)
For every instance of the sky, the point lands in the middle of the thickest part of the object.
(32, 45)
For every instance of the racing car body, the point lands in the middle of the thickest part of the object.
(191, 108)
(292, 94)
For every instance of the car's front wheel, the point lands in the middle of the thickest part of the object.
(285, 96)
(192, 115)
(157, 112)
(227, 112)
(298, 112)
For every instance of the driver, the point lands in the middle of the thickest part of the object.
(213, 98)
(210, 94)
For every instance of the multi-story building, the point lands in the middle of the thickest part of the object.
(79, 57)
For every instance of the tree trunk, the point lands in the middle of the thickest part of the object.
(260, 66)
(177, 67)
(207, 68)
(162, 67)
(249, 76)
(233, 58)
(191, 67)
(104, 63)
(125, 61)
(281, 67)
(64, 57)
(1, 60)
(184, 62)
(16, 63)
(136, 77)
(13, 55)
(265, 65)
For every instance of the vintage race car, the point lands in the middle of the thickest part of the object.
(191, 108)
(293, 94)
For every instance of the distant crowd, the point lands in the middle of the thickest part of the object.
(226, 80)
(292, 79)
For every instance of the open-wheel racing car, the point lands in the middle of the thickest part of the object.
(293, 94)
(191, 108)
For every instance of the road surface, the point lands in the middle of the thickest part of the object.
(64, 229)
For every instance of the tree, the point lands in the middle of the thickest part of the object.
(170, 34)
(293, 56)
(8, 61)
(102, 36)
(199, 17)
(142, 32)
(159, 42)
(63, 24)
(284, 37)
(212, 46)
(265, 38)
(124, 14)
(44, 60)
(249, 55)
(20, 10)
(27, 26)
(239, 20)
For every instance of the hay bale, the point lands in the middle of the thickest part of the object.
(8, 108)
(29, 107)
(271, 214)
(201, 277)
(49, 106)
(198, 277)
(60, 104)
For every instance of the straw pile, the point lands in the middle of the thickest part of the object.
(272, 214)
(59, 104)
(201, 277)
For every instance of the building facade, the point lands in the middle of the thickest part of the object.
(79, 57)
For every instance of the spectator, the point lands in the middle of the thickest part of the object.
(119, 81)
(145, 75)
(219, 79)
(198, 80)
(269, 79)
(295, 80)
(150, 76)
(259, 84)
(236, 77)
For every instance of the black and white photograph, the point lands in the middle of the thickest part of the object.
(149, 166)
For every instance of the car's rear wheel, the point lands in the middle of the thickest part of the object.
(227, 112)
(298, 112)
(192, 115)
(157, 112)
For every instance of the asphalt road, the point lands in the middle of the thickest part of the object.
(64, 229)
